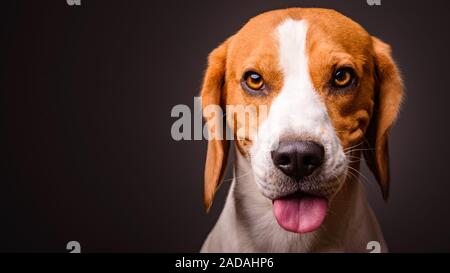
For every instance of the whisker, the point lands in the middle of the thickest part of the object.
(354, 146)
(354, 161)
(360, 174)
(236, 177)
(356, 150)
(353, 157)
(354, 175)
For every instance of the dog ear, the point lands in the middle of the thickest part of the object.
(387, 99)
(212, 94)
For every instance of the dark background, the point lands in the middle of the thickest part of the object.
(86, 94)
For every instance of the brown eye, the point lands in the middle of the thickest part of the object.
(343, 77)
(253, 80)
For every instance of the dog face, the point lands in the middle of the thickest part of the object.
(321, 90)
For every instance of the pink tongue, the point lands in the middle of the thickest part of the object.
(300, 213)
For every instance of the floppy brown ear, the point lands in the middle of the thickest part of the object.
(387, 99)
(212, 93)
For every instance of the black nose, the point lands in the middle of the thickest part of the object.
(298, 159)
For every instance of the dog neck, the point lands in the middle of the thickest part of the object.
(247, 223)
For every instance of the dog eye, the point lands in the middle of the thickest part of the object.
(343, 77)
(253, 80)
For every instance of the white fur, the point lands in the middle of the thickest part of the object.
(297, 113)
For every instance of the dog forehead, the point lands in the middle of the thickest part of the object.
(325, 29)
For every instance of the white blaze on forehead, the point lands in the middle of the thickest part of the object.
(298, 106)
(292, 52)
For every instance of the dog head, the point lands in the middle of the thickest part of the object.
(305, 91)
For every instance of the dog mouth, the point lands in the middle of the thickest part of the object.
(300, 212)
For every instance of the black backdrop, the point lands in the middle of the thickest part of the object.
(86, 94)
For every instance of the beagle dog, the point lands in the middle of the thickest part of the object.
(332, 91)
